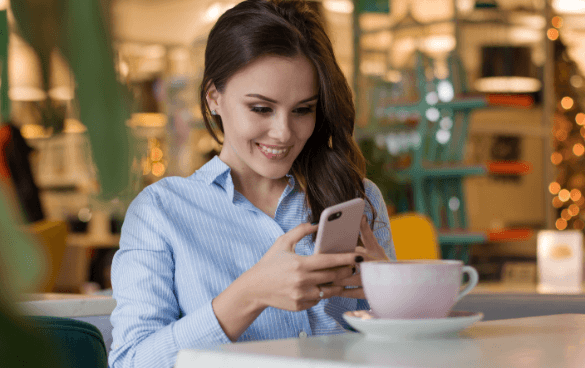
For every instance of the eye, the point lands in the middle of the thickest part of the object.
(304, 110)
(261, 109)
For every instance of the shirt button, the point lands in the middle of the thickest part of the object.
(302, 334)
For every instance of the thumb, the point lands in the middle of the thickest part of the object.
(289, 240)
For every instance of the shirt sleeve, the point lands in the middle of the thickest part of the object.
(381, 230)
(148, 328)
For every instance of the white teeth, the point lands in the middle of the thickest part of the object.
(272, 151)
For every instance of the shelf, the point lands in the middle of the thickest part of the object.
(93, 241)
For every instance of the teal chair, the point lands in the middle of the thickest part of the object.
(80, 344)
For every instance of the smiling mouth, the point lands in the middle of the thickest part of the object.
(273, 151)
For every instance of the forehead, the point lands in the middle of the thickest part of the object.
(281, 78)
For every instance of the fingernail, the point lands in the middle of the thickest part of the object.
(315, 223)
(359, 259)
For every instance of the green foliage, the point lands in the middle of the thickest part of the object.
(378, 170)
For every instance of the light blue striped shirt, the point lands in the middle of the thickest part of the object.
(185, 240)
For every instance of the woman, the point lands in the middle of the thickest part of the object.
(226, 254)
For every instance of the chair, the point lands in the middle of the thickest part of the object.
(414, 237)
(51, 239)
(81, 344)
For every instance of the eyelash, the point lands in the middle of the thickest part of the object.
(267, 110)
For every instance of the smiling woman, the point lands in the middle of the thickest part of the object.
(227, 254)
(264, 135)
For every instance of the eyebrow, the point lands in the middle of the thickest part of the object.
(274, 101)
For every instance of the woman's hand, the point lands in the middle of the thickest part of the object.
(282, 279)
(370, 251)
(286, 280)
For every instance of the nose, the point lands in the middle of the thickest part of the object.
(280, 129)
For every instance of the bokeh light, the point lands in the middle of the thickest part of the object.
(564, 195)
(557, 22)
(556, 158)
(567, 103)
(578, 224)
(557, 203)
(561, 224)
(573, 210)
(565, 215)
(554, 188)
(578, 149)
(580, 118)
(575, 195)
(158, 169)
(552, 34)
(156, 154)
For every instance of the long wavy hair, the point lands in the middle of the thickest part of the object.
(330, 169)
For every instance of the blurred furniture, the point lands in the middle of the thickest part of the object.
(425, 138)
(502, 301)
(549, 341)
(51, 237)
(81, 344)
(92, 309)
(414, 237)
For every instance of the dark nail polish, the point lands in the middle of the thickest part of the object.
(315, 223)
(359, 259)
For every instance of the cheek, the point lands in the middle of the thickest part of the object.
(306, 130)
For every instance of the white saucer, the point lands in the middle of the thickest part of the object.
(410, 329)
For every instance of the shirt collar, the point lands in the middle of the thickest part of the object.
(217, 171)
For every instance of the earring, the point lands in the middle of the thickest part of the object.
(213, 112)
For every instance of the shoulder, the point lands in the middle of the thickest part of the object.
(165, 191)
(372, 190)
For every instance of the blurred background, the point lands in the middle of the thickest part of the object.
(470, 112)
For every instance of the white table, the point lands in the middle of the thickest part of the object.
(548, 341)
(95, 309)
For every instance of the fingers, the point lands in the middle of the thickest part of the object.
(331, 275)
(324, 261)
(357, 293)
(353, 280)
(327, 290)
(366, 234)
(292, 237)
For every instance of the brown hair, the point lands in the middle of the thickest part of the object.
(331, 167)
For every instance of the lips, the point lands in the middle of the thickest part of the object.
(274, 150)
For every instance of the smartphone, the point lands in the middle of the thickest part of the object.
(339, 227)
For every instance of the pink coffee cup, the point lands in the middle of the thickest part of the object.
(415, 289)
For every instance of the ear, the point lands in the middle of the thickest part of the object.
(212, 97)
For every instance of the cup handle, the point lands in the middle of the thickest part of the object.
(473, 279)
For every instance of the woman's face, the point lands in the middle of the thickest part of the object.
(268, 114)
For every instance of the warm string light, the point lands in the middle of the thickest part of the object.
(580, 118)
(567, 103)
(565, 215)
(564, 195)
(557, 22)
(556, 158)
(573, 210)
(554, 188)
(552, 34)
(561, 224)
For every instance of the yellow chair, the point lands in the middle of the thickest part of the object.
(51, 238)
(414, 237)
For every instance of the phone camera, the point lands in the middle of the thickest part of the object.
(334, 216)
